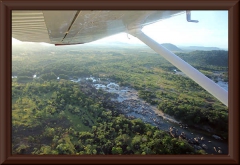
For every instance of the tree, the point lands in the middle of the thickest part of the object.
(117, 150)
(23, 78)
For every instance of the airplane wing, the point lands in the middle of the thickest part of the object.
(78, 27)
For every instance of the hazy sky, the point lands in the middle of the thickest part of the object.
(211, 30)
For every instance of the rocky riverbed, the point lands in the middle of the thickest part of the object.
(125, 101)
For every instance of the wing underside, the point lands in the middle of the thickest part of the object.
(77, 27)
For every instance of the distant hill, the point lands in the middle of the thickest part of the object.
(200, 58)
(171, 47)
(192, 48)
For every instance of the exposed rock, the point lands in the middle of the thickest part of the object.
(183, 135)
(191, 141)
(217, 137)
(204, 146)
(196, 139)
(173, 131)
(215, 149)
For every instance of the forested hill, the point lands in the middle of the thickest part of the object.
(171, 47)
(217, 58)
(203, 48)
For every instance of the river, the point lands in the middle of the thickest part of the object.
(220, 81)
(132, 106)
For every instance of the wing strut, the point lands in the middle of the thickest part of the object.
(209, 85)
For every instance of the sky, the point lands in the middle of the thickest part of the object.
(210, 31)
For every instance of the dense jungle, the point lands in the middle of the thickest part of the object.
(57, 109)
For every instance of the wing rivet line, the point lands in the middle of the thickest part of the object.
(75, 17)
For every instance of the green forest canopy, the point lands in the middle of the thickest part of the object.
(66, 121)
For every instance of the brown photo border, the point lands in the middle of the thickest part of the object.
(6, 6)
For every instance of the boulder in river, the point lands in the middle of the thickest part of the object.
(183, 135)
(217, 137)
(215, 149)
(196, 139)
(173, 131)
(204, 146)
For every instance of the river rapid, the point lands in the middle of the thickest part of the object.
(128, 103)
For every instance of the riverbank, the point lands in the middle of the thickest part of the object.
(126, 101)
